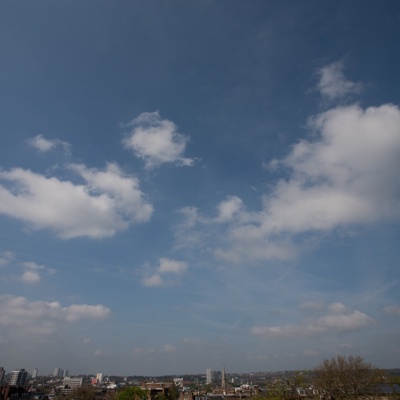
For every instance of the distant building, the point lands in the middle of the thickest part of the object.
(156, 389)
(72, 383)
(2, 373)
(18, 378)
(209, 376)
(99, 378)
(223, 378)
(178, 382)
(59, 372)
(35, 373)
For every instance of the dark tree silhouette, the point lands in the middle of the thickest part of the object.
(347, 377)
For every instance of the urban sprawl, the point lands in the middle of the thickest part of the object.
(336, 379)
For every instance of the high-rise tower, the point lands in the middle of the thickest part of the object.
(18, 378)
(209, 376)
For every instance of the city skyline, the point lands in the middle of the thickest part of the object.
(186, 185)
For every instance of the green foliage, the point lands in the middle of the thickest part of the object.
(132, 393)
(161, 396)
(82, 393)
(173, 393)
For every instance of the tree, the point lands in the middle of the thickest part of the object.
(347, 377)
(285, 388)
(173, 393)
(82, 393)
(132, 393)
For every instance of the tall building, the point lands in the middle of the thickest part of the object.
(99, 378)
(2, 373)
(58, 372)
(18, 378)
(35, 373)
(223, 378)
(209, 376)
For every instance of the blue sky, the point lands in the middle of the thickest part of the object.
(187, 184)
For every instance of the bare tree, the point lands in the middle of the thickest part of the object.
(347, 378)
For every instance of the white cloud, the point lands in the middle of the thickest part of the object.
(44, 145)
(347, 175)
(153, 281)
(156, 141)
(77, 312)
(228, 208)
(345, 322)
(33, 266)
(165, 274)
(171, 266)
(30, 277)
(44, 317)
(107, 203)
(341, 319)
(333, 84)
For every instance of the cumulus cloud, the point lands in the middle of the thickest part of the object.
(43, 145)
(171, 266)
(341, 319)
(31, 271)
(42, 316)
(154, 280)
(156, 141)
(107, 202)
(348, 174)
(31, 265)
(228, 208)
(333, 84)
(165, 274)
(30, 277)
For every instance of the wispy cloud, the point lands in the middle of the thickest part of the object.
(165, 274)
(156, 141)
(31, 275)
(392, 310)
(43, 145)
(44, 317)
(339, 319)
(6, 257)
(333, 83)
(228, 208)
(108, 201)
